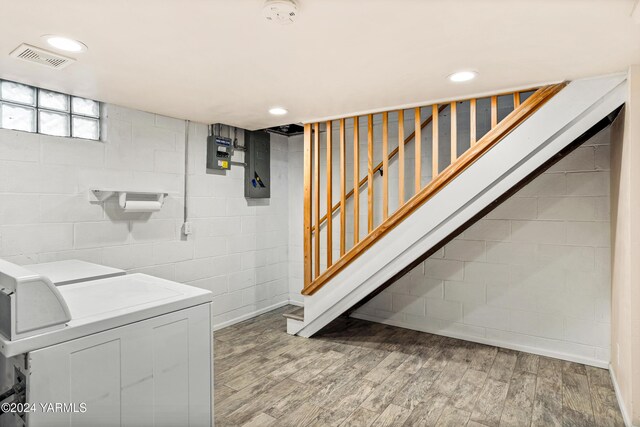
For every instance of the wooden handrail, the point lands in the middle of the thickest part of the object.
(379, 166)
(496, 134)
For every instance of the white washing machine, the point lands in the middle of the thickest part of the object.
(129, 350)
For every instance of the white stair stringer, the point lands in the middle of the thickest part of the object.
(571, 112)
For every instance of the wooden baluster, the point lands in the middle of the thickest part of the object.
(494, 111)
(454, 131)
(472, 122)
(370, 173)
(329, 196)
(516, 100)
(435, 142)
(492, 137)
(356, 180)
(307, 237)
(378, 167)
(400, 158)
(316, 196)
(417, 141)
(385, 166)
(343, 189)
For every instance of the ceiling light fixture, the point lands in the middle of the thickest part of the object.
(463, 76)
(64, 43)
(277, 111)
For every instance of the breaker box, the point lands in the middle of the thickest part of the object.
(219, 152)
(257, 172)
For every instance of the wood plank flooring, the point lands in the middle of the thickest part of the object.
(357, 373)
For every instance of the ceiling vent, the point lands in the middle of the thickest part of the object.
(40, 56)
(283, 12)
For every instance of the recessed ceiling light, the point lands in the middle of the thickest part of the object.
(64, 43)
(278, 111)
(463, 76)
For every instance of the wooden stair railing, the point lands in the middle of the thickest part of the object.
(314, 279)
(379, 166)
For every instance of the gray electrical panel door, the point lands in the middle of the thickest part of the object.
(219, 152)
(257, 173)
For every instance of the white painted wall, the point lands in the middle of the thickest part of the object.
(238, 249)
(534, 273)
(625, 209)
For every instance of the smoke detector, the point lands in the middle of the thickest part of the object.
(283, 12)
(39, 56)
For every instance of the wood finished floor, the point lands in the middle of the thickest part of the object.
(357, 373)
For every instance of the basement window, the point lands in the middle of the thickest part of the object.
(32, 109)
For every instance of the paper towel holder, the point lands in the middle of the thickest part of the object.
(131, 200)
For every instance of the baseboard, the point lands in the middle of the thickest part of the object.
(487, 341)
(296, 303)
(625, 415)
(249, 315)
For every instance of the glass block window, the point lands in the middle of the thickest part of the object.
(31, 109)
(53, 123)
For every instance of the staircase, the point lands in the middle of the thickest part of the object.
(475, 151)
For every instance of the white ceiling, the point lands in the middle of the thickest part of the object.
(220, 61)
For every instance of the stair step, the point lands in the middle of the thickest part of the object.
(297, 314)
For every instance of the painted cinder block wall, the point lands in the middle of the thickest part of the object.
(238, 249)
(533, 274)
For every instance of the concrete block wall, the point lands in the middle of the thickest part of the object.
(239, 248)
(534, 274)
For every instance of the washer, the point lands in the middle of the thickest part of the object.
(125, 350)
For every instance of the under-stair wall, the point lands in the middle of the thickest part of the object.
(533, 274)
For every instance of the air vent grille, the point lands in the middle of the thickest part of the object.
(40, 56)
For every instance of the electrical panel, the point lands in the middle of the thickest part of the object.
(219, 152)
(257, 172)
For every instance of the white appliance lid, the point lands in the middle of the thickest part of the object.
(73, 271)
(121, 295)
